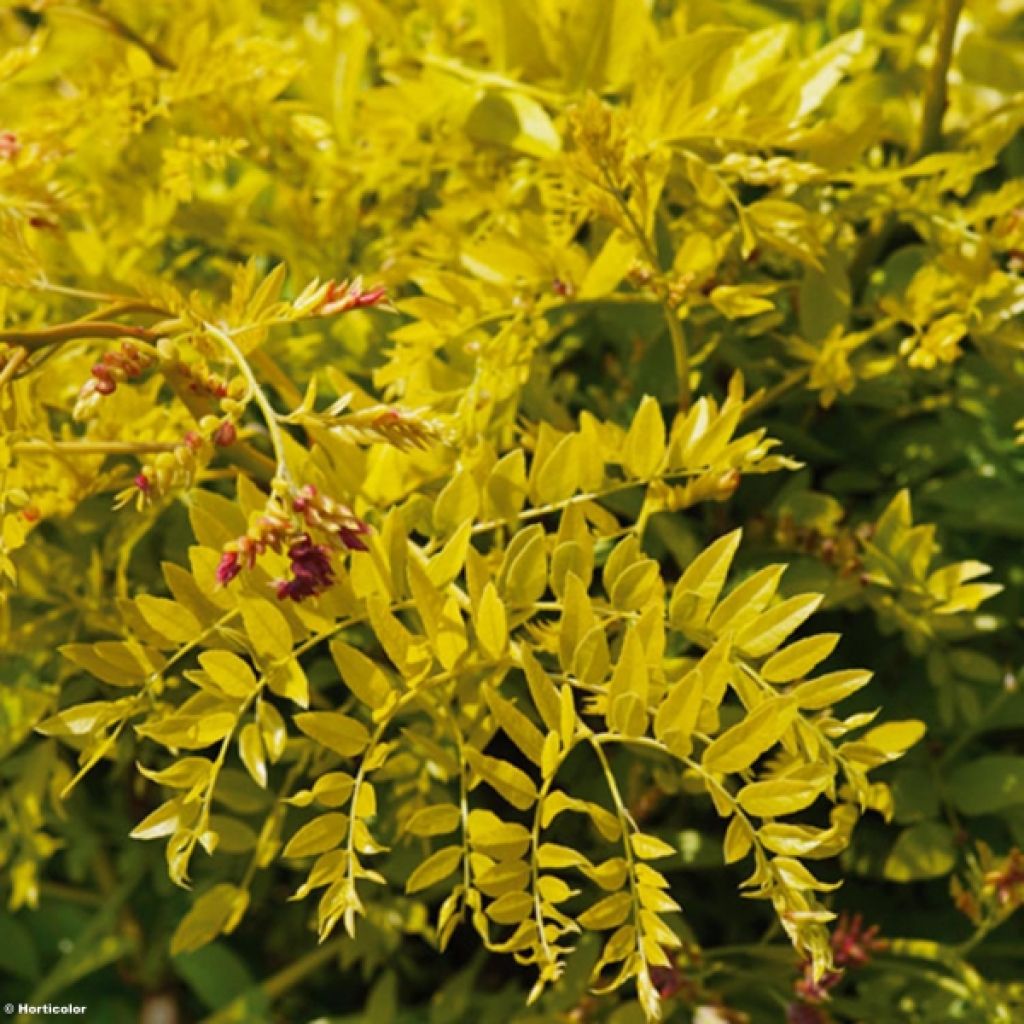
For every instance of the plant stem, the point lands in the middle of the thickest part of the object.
(680, 353)
(39, 447)
(46, 336)
(965, 737)
(258, 395)
(10, 368)
(937, 93)
(114, 25)
(929, 139)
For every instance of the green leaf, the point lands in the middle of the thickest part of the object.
(266, 627)
(796, 660)
(829, 689)
(217, 911)
(607, 913)
(514, 120)
(250, 749)
(335, 731)
(286, 679)
(114, 662)
(362, 676)
(436, 868)
(698, 588)
(627, 692)
(229, 673)
(988, 785)
(523, 733)
(323, 833)
(925, 850)
(505, 779)
(737, 748)
(772, 627)
(491, 623)
(776, 797)
(645, 445)
(168, 618)
(436, 820)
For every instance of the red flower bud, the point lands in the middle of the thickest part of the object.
(226, 434)
(10, 147)
(228, 567)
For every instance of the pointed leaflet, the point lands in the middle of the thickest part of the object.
(747, 600)
(437, 867)
(627, 693)
(250, 749)
(772, 627)
(829, 689)
(168, 618)
(523, 733)
(491, 623)
(698, 588)
(229, 673)
(362, 676)
(266, 627)
(644, 447)
(737, 748)
(543, 691)
(440, 616)
(776, 797)
(796, 660)
(335, 731)
(508, 781)
(677, 717)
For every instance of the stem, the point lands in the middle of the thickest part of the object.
(967, 735)
(10, 368)
(286, 388)
(760, 402)
(937, 93)
(929, 140)
(626, 825)
(114, 25)
(680, 354)
(39, 447)
(557, 506)
(46, 336)
(257, 394)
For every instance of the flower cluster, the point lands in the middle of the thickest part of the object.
(340, 298)
(178, 468)
(995, 887)
(289, 524)
(116, 366)
(852, 947)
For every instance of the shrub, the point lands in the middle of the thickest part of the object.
(463, 464)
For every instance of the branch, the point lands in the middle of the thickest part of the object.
(44, 337)
(936, 96)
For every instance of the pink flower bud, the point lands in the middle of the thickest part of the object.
(10, 147)
(226, 434)
(228, 568)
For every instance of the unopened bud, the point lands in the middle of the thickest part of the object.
(225, 434)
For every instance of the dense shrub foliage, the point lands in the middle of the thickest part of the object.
(488, 485)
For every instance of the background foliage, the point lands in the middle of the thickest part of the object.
(428, 428)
